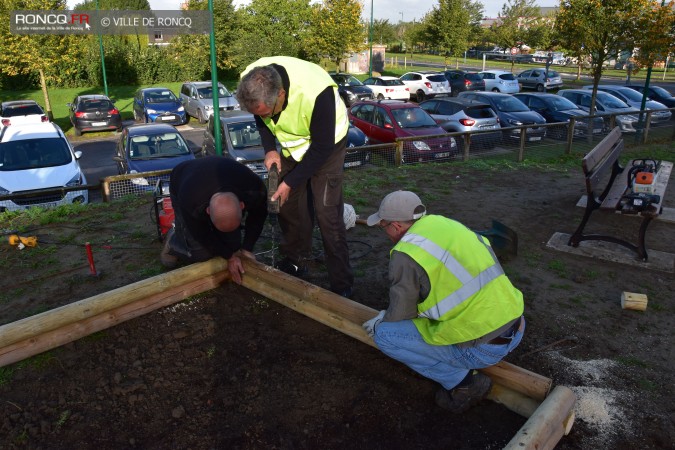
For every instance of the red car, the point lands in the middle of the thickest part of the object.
(385, 121)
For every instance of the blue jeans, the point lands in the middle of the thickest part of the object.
(445, 364)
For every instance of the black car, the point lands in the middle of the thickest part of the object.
(461, 80)
(351, 89)
(94, 113)
(658, 94)
(557, 109)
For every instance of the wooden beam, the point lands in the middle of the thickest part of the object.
(68, 332)
(549, 423)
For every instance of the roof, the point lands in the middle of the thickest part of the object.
(18, 103)
(93, 97)
(459, 100)
(150, 128)
(30, 131)
(391, 103)
(153, 89)
(235, 116)
(202, 83)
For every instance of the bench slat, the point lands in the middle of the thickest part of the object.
(599, 152)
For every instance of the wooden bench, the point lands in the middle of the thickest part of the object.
(603, 162)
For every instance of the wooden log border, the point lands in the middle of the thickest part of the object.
(518, 389)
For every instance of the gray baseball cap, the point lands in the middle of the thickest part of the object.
(398, 206)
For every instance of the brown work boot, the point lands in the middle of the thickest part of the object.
(461, 398)
(167, 259)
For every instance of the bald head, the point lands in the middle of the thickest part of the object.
(225, 211)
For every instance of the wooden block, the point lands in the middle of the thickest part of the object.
(631, 300)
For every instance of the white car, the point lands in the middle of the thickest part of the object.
(500, 81)
(388, 87)
(38, 156)
(17, 112)
(424, 85)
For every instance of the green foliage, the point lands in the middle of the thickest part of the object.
(336, 30)
(448, 26)
(517, 19)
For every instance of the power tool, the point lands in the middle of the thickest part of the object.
(273, 206)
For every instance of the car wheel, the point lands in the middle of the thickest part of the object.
(77, 131)
(146, 119)
(540, 88)
(200, 116)
(119, 130)
(420, 96)
(380, 97)
(495, 89)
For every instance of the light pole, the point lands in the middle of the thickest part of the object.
(370, 40)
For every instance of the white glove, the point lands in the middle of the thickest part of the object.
(370, 325)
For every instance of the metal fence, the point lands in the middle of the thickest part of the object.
(515, 143)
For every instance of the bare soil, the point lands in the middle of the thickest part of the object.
(232, 369)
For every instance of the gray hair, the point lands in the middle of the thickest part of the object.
(260, 85)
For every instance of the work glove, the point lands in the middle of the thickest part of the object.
(370, 325)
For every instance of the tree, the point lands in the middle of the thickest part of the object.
(383, 31)
(271, 27)
(655, 33)
(336, 30)
(518, 24)
(448, 25)
(24, 54)
(598, 30)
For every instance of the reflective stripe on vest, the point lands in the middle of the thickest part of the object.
(470, 284)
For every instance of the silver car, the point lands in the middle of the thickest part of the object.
(634, 98)
(197, 99)
(539, 79)
(604, 104)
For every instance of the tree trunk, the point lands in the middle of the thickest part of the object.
(45, 93)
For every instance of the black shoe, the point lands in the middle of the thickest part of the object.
(461, 398)
(289, 267)
(166, 258)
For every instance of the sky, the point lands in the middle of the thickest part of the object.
(392, 10)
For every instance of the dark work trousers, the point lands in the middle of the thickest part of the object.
(296, 219)
(186, 247)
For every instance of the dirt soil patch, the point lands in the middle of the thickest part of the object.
(232, 369)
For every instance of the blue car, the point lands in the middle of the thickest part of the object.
(146, 148)
(160, 105)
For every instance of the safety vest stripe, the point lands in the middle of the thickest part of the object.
(440, 254)
(462, 294)
(470, 284)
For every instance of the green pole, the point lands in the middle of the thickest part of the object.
(214, 87)
(100, 47)
(370, 40)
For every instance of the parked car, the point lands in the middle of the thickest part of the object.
(241, 141)
(657, 93)
(383, 121)
(159, 105)
(17, 112)
(462, 115)
(388, 88)
(461, 80)
(38, 156)
(197, 99)
(626, 117)
(351, 89)
(500, 81)
(423, 85)
(540, 80)
(149, 147)
(557, 109)
(512, 113)
(94, 113)
(633, 99)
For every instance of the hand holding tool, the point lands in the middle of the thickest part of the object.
(273, 206)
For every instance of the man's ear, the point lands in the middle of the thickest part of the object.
(208, 210)
(242, 206)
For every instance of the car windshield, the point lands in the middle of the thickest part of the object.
(346, 80)
(160, 97)
(395, 82)
(96, 105)
(157, 146)
(610, 101)
(661, 92)
(510, 104)
(207, 92)
(630, 94)
(21, 110)
(558, 103)
(244, 134)
(34, 154)
(413, 118)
